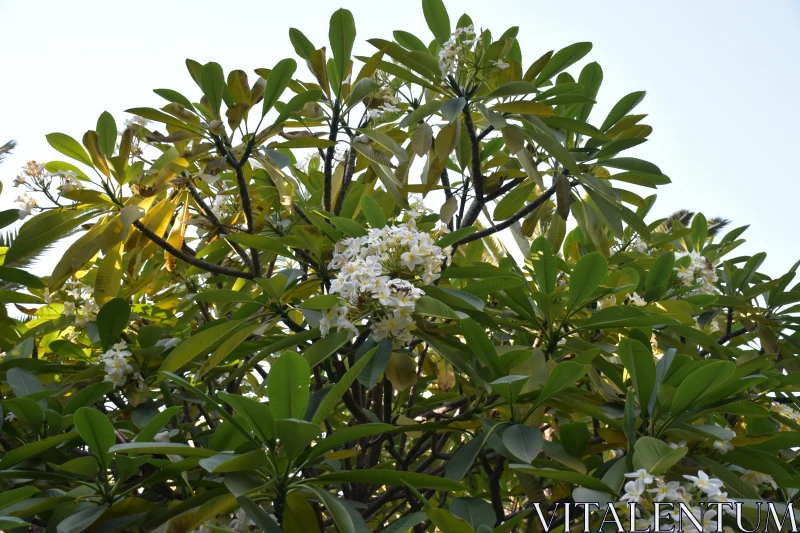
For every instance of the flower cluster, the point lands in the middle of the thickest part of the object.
(31, 170)
(117, 367)
(448, 55)
(785, 411)
(699, 273)
(26, 205)
(389, 105)
(376, 279)
(69, 181)
(644, 487)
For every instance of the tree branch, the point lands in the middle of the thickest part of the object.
(209, 214)
(244, 193)
(188, 258)
(328, 169)
(725, 338)
(349, 168)
(508, 222)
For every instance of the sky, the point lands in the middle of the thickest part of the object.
(721, 79)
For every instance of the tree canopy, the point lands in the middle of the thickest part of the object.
(285, 307)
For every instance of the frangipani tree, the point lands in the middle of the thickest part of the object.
(287, 308)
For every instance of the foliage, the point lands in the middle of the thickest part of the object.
(261, 326)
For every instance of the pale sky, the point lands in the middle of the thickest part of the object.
(721, 79)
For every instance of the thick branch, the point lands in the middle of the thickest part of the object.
(477, 177)
(725, 338)
(209, 214)
(328, 169)
(188, 258)
(349, 169)
(508, 222)
(244, 193)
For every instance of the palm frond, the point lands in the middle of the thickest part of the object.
(6, 149)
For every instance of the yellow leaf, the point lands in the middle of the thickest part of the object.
(401, 371)
(109, 275)
(176, 237)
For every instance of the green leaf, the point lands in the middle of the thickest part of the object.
(446, 522)
(349, 227)
(564, 374)
(11, 522)
(301, 44)
(21, 277)
(8, 497)
(387, 142)
(279, 78)
(162, 448)
(423, 111)
(287, 386)
(342, 35)
(23, 382)
(112, 320)
(348, 434)
(437, 18)
(638, 361)
(96, 431)
(296, 103)
(259, 516)
(212, 81)
(379, 476)
(27, 410)
(191, 348)
(296, 435)
(479, 344)
(513, 88)
(564, 475)
(589, 273)
(324, 348)
(555, 149)
(44, 230)
(373, 212)
(80, 521)
(525, 107)
(174, 96)
(155, 424)
(659, 275)
(463, 458)
(698, 382)
(622, 108)
(523, 442)
(630, 163)
(427, 306)
(320, 302)
(405, 523)
(545, 265)
(561, 60)
(34, 448)
(513, 201)
(374, 369)
(13, 297)
(328, 404)
(69, 147)
(656, 456)
(455, 236)
(223, 296)
(258, 415)
(576, 126)
(87, 396)
(107, 133)
(363, 88)
(624, 316)
(337, 510)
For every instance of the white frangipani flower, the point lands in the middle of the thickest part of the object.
(708, 485)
